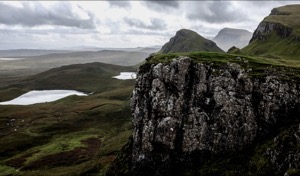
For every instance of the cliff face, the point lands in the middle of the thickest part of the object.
(184, 109)
(264, 30)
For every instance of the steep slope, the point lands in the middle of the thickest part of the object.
(278, 35)
(228, 37)
(213, 114)
(189, 41)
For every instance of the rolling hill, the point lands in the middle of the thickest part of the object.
(15, 70)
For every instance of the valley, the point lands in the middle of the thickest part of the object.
(74, 135)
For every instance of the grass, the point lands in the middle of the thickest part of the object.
(223, 58)
(82, 135)
(275, 47)
(256, 66)
(275, 44)
(72, 136)
(189, 41)
(288, 15)
(60, 127)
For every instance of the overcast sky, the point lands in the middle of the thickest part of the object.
(50, 24)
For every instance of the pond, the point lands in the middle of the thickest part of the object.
(126, 75)
(41, 96)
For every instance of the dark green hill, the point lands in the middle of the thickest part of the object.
(189, 41)
(278, 35)
(89, 77)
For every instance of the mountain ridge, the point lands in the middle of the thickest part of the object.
(277, 35)
(186, 40)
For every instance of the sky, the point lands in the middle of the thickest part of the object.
(121, 24)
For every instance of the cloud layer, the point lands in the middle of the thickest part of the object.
(47, 24)
(30, 15)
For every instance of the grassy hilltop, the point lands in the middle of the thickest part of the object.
(278, 35)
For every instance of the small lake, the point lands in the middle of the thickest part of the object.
(126, 75)
(10, 58)
(41, 96)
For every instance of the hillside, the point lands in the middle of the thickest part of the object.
(189, 41)
(12, 71)
(278, 35)
(72, 136)
(228, 37)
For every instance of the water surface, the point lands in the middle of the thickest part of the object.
(126, 75)
(41, 96)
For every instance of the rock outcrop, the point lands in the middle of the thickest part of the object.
(264, 30)
(189, 41)
(213, 119)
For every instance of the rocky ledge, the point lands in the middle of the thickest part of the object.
(193, 118)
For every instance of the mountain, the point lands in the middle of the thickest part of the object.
(278, 35)
(189, 41)
(228, 37)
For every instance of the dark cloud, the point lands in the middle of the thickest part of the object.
(162, 5)
(120, 4)
(36, 15)
(215, 12)
(156, 24)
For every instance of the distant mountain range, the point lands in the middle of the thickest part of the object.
(189, 41)
(228, 37)
(40, 52)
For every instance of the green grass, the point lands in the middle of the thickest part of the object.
(275, 47)
(72, 136)
(275, 44)
(288, 15)
(257, 67)
(223, 58)
(189, 41)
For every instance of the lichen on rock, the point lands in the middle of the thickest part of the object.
(183, 107)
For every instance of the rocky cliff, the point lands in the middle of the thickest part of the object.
(192, 117)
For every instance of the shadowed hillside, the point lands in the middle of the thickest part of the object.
(189, 41)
